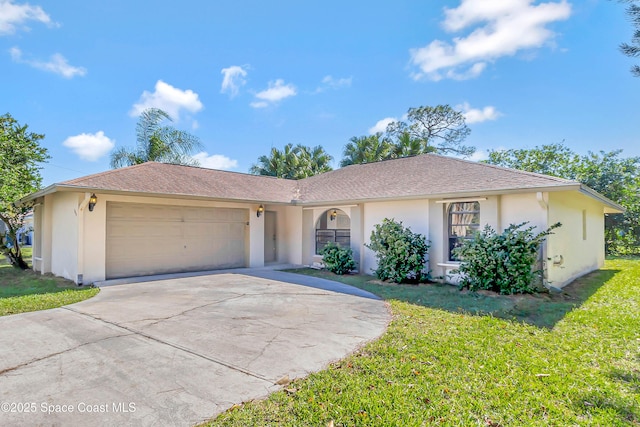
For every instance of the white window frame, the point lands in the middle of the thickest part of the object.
(473, 226)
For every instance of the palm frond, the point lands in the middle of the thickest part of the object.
(122, 157)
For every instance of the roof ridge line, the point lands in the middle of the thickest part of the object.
(504, 168)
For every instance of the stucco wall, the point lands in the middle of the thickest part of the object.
(438, 236)
(288, 236)
(412, 213)
(46, 235)
(517, 208)
(38, 221)
(64, 235)
(293, 235)
(574, 250)
(308, 236)
(357, 238)
(94, 242)
(255, 243)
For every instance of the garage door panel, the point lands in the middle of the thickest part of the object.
(153, 239)
(140, 249)
(197, 230)
(236, 229)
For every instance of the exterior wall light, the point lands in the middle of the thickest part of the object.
(259, 211)
(333, 215)
(92, 202)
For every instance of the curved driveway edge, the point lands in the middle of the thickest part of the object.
(177, 351)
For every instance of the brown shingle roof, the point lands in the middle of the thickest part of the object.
(162, 178)
(426, 175)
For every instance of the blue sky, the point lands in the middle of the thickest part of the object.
(248, 75)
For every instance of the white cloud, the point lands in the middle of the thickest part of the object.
(168, 98)
(341, 82)
(381, 125)
(477, 115)
(90, 146)
(276, 92)
(57, 64)
(233, 78)
(14, 16)
(259, 104)
(478, 155)
(329, 82)
(502, 28)
(215, 161)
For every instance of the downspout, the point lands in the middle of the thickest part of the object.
(81, 210)
(544, 204)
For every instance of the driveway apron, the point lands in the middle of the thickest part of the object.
(177, 351)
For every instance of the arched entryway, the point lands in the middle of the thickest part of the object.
(333, 226)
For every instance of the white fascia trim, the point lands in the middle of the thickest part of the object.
(465, 199)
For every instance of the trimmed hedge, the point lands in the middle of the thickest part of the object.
(401, 253)
(337, 259)
(502, 262)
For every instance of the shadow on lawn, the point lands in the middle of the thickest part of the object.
(543, 310)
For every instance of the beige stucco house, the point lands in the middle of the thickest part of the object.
(159, 218)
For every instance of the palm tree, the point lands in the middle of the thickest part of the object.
(158, 143)
(313, 161)
(406, 146)
(277, 163)
(293, 162)
(366, 149)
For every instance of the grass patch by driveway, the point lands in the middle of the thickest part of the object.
(543, 310)
(22, 291)
(447, 362)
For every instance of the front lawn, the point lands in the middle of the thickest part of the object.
(565, 359)
(22, 291)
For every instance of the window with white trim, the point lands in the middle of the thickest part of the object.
(463, 220)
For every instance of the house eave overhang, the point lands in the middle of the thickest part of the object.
(61, 188)
(40, 193)
(441, 196)
(610, 207)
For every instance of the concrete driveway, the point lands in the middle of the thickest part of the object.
(176, 351)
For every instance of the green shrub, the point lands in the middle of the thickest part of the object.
(503, 262)
(337, 259)
(401, 253)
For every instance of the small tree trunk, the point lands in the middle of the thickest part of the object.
(14, 255)
(18, 262)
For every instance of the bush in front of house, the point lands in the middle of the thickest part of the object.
(337, 259)
(401, 253)
(502, 262)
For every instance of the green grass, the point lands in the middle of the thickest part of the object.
(22, 291)
(542, 310)
(445, 361)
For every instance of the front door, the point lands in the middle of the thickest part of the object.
(270, 248)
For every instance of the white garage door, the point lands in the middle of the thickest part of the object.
(151, 239)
